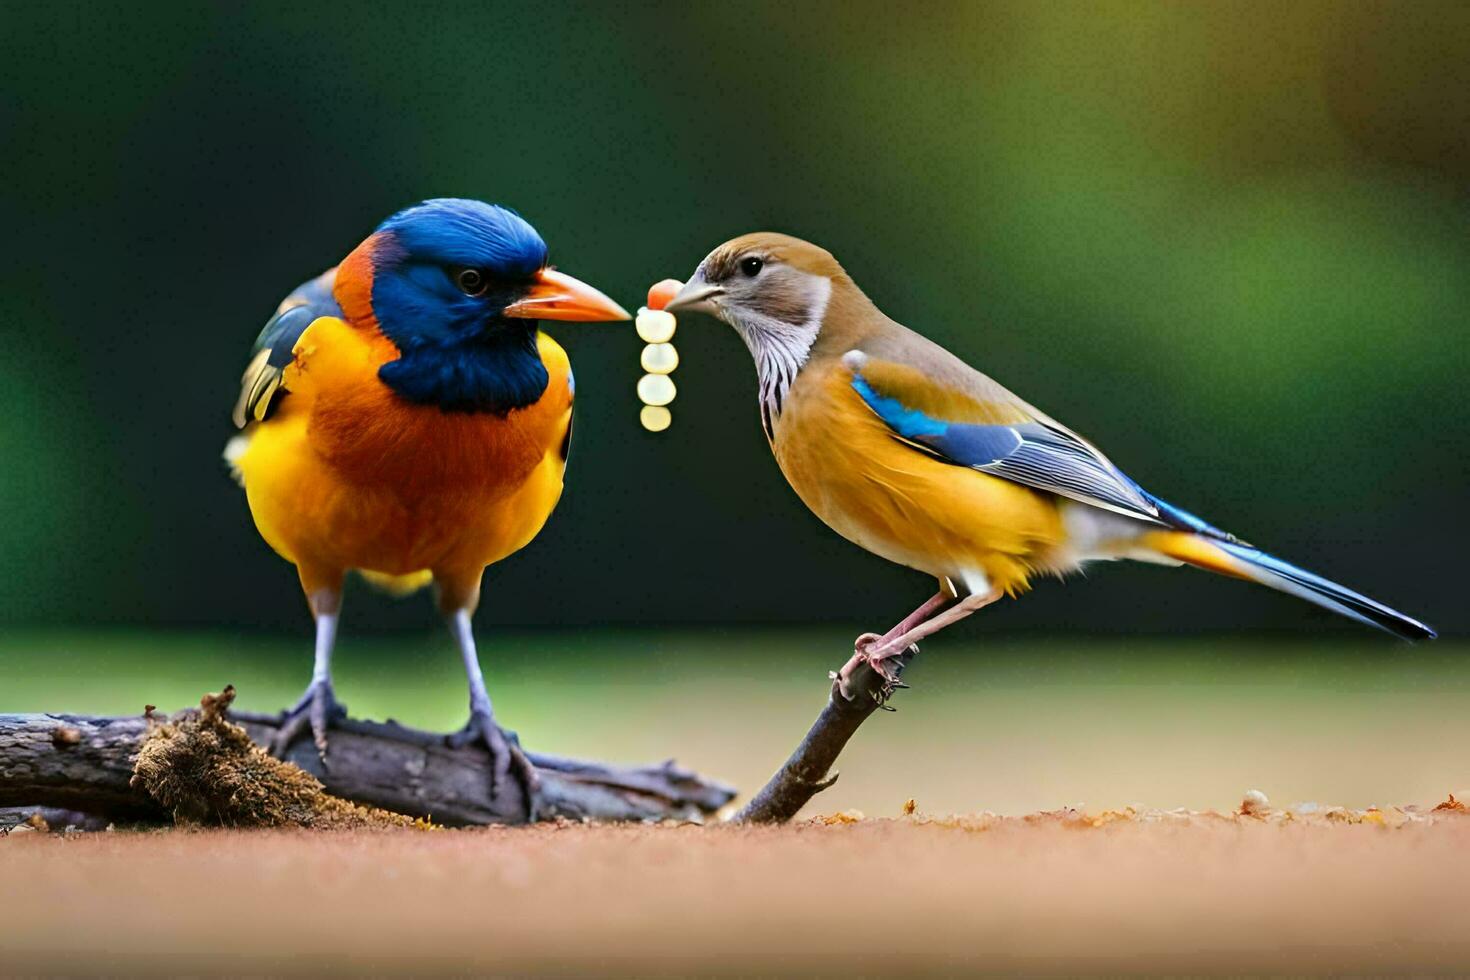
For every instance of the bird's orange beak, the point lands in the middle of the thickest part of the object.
(557, 296)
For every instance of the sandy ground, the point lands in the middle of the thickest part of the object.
(893, 896)
(1013, 728)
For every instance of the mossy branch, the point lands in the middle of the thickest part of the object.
(86, 763)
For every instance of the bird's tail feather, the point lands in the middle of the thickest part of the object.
(397, 586)
(1243, 561)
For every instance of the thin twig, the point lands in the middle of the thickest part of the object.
(857, 691)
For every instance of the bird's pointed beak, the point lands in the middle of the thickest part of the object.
(558, 296)
(696, 296)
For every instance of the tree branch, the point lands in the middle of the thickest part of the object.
(85, 763)
(857, 691)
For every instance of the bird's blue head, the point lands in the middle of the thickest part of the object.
(458, 287)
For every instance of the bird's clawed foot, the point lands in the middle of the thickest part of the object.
(879, 654)
(506, 757)
(318, 708)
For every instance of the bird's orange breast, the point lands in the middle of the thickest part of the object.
(372, 436)
(349, 475)
(900, 503)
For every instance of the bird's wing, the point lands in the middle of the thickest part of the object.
(264, 380)
(956, 413)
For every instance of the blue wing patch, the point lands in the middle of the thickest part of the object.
(1030, 453)
(317, 294)
(907, 422)
(280, 335)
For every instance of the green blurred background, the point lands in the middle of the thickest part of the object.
(1227, 241)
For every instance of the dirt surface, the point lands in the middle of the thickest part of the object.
(909, 895)
(1015, 729)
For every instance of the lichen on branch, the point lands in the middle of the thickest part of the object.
(207, 771)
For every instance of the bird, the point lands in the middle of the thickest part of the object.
(403, 416)
(906, 450)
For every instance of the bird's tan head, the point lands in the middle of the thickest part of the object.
(762, 277)
(775, 291)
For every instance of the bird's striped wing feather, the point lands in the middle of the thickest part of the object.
(950, 411)
(263, 382)
(1000, 436)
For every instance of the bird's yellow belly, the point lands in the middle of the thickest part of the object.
(905, 505)
(425, 497)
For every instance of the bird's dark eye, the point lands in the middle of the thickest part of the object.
(470, 281)
(751, 266)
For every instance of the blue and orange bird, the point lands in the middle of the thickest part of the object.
(907, 451)
(404, 416)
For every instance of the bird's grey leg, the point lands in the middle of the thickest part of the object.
(504, 747)
(886, 648)
(318, 706)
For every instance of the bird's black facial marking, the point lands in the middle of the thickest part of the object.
(473, 360)
(443, 273)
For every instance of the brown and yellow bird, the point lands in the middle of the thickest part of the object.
(907, 451)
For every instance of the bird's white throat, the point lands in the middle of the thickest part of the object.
(780, 348)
